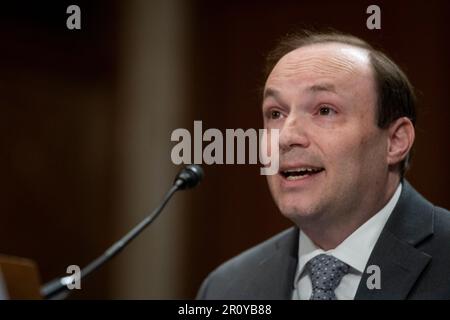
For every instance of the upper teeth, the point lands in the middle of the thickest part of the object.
(301, 170)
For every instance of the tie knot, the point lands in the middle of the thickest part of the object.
(326, 272)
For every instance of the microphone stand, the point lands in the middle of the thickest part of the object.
(187, 178)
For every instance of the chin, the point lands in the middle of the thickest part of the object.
(298, 211)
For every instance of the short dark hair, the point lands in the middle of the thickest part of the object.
(396, 97)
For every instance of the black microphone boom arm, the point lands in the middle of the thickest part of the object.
(189, 177)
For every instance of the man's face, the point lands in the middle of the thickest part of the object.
(333, 161)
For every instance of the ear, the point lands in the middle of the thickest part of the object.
(401, 138)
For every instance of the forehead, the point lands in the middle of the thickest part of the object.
(339, 63)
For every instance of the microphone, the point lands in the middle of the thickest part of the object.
(189, 177)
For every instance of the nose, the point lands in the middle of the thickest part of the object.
(293, 133)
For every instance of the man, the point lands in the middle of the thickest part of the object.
(346, 116)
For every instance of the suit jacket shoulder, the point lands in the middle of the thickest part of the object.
(252, 274)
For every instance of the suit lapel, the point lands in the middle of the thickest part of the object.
(396, 252)
(400, 265)
(274, 278)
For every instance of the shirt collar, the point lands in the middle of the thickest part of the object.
(355, 250)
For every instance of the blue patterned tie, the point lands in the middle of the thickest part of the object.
(326, 272)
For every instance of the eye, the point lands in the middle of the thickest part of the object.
(326, 110)
(274, 114)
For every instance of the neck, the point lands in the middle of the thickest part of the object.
(328, 233)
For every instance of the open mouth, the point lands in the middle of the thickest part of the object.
(300, 173)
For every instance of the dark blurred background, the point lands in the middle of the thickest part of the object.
(86, 118)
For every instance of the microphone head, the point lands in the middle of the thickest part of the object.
(189, 176)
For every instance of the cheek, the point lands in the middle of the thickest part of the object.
(274, 187)
(351, 152)
(373, 143)
(271, 182)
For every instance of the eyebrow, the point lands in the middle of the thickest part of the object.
(319, 87)
(322, 87)
(270, 92)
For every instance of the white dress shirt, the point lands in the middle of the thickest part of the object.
(355, 251)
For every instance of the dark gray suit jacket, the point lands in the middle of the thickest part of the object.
(413, 253)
